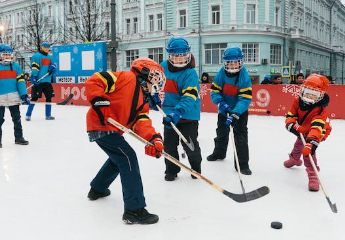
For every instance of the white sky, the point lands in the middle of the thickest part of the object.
(43, 186)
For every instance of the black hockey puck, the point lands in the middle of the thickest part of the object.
(276, 225)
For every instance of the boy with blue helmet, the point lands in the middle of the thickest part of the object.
(231, 91)
(12, 92)
(181, 104)
(41, 64)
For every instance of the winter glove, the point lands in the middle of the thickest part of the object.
(155, 100)
(173, 117)
(295, 128)
(34, 80)
(51, 68)
(231, 119)
(25, 98)
(224, 108)
(102, 107)
(156, 149)
(310, 147)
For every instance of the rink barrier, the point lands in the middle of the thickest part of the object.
(268, 100)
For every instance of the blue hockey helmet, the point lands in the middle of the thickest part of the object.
(45, 44)
(6, 54)
(267, 76)
(178, 50)
(232, 59)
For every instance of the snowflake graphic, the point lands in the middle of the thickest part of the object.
(100, 69)
(99, 55)
(75, 49)
(72, 59)
(55, 50)
(293, 89)
(203, 90)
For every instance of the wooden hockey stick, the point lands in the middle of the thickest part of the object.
(333, 206)
(236, 197)
(38, 81)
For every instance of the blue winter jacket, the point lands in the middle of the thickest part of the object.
(182, 92)
(236, 91)
(39, 66)
(12, 79)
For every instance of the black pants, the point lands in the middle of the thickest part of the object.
(241, 139)
(171, 141)
(15, 114)
(45, 88)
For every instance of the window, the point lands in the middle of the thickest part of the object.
(251, 13)
(183, 18)
(250, 52)
(277, 17)
(135, 25)
(151, 23)
(215, 14)
(131, 55)
(276, 54)
(156, 54)
(128, 26)
(213, 53)
(159, 22)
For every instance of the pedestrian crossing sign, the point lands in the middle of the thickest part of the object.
(286, 71)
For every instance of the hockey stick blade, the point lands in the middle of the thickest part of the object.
(332, 205)
(64, 102)
(246, 197)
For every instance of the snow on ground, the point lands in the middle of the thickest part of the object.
(44, 186)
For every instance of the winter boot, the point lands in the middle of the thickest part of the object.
(140, 216)
(21, 141)
(0, 145)
(313, 184)
(213, 157)
(170, 177)
(49, 112)
(292, 162)
(94, 195)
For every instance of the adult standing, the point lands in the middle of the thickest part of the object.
(42, 68)
(231, 91)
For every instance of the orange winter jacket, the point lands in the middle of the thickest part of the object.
(126, 102)
(316, 122)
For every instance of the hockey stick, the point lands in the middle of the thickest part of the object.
(64, 102)
(236, 197)
(236, 157)
(332, 205)
(38, 80)
(189, 144)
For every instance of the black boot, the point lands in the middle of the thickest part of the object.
(170, 177)
(94, 195)
(215, 157)
(21, 141)
(0, 145)
(140, 216)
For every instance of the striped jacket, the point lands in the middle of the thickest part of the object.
(126, 102)
(235, 91)
(39, 66)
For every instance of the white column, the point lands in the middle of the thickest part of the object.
(233, 16)
(267, 12)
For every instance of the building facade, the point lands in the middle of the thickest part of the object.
(305, 36)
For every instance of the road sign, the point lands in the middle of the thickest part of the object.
(286, 71)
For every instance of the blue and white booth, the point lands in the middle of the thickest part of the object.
(77, 62)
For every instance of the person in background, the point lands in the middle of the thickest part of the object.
(267, 79)
(26, 77)
(299, 78)
(308, 116)
(42, 67)
(231, 91)
(277, 79)
(205, 78)
(124, 96)
(12, 92)
(181, 104)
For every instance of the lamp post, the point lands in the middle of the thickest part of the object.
(113, 42)
(1, 31)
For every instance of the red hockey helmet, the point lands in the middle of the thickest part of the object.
(314, 88)
(150, 71)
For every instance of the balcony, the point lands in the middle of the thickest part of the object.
(296, 33)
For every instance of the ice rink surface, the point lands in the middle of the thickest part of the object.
(43, 186)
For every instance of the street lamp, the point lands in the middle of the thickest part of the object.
(2, 28)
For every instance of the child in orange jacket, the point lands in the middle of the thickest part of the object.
(308, 116)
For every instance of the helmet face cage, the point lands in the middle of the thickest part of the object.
(233, 66)
(311, 95)
(6, 57)
(157, 80)
(180, 59)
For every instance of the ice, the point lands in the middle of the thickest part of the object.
(44, 186)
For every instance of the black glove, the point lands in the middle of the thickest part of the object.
(102, 107)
